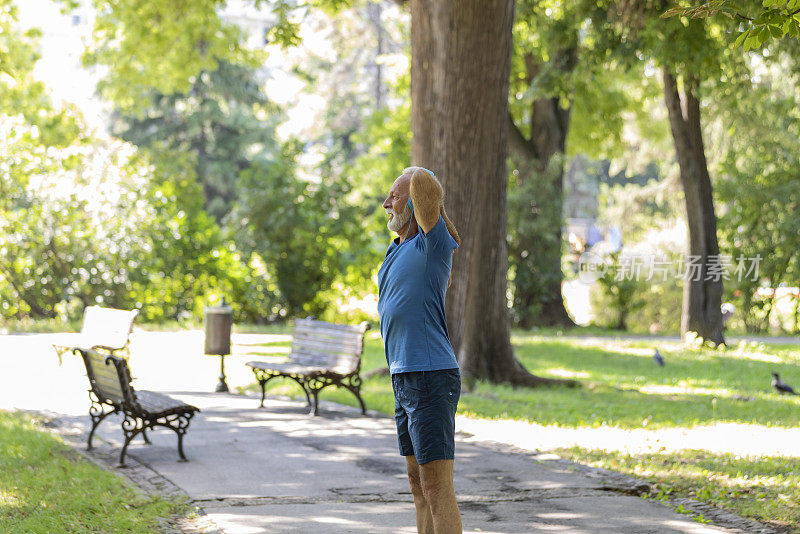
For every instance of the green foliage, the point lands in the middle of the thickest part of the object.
(759, 186)
(567, 51)
(20, 93)
(571, 84)
(46, 487)
(159, 44)
(386, 136)
(188, 264)
(50, 247)
(224, 124)
(136, 231)
(644, 306)
(306, 231)
(619, 293)
(772, 19)
(95, 222)
(531, 218)
(164, 45)
(364, 142)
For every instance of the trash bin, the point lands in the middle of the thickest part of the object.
(218, 323)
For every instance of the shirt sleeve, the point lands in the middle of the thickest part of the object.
(438, 239)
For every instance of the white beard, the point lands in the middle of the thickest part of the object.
(398, 221)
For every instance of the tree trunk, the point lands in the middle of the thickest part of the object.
(537, 256)
(702, 297)
(460, 60)
(374, 12)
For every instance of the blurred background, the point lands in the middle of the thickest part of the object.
(259, 173)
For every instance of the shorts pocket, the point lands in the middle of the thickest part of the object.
(446, 383)
(415, 383)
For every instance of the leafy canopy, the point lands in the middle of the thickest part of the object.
(760, 22)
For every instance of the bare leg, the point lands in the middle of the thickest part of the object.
(436, 478)
(424, 517)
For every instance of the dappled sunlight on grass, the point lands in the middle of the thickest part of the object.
(745, 352)
(684, 389)
(764, 487)
(566, 373)
(621, 387)
(8, 500)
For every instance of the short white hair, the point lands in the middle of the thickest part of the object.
(412, 170)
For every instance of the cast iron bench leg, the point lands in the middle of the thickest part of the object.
(263, 384)
(130, 428)
(96, 419)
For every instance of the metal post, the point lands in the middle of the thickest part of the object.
(218, 323)
(222, 386)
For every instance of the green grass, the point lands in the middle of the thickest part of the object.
(621, 386)
(763, 488)
(46, 487)
(38, 326)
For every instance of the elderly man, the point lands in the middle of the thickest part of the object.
(412, 281)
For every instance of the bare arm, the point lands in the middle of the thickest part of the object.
(450, 226)
(427, 196)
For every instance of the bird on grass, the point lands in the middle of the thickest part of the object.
(781, 386)
(658, 358)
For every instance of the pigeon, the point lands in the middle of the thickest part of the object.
(658, 358)
(781, 386)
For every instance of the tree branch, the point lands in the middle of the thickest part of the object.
(517, 141)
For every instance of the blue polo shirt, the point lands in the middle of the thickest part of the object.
(412, 283)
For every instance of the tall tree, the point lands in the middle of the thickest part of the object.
(564, 63)
(460, 64)
(687, 52)
(702, 291)
(539, 158)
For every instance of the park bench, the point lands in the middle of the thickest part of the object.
(107, 330)
(111, 392)
(322, 354)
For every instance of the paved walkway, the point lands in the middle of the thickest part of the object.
(279, 470)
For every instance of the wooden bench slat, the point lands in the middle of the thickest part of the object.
(323, 325)
(347, 338)
(335, 344)
(321, 332)
(302, 344)
(332, 334)
(158, 403)
(287, 367)
(342, 361)
(354, 343)
(106, 378)
(324, 332)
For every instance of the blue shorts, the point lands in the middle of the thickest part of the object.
(425, 412)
